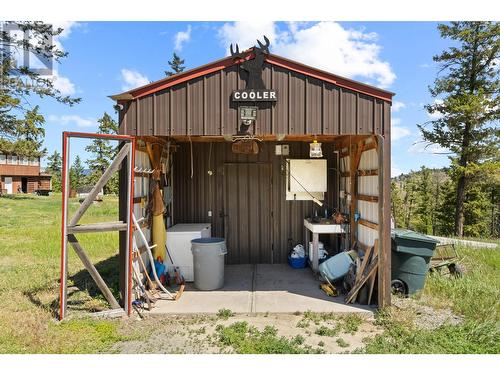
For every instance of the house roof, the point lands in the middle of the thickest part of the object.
(272, 59)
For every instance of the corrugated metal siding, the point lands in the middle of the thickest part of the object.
(305, 105)
(194, 197)
(162, 113)
(368, 185)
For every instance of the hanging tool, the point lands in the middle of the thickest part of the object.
(150, 256)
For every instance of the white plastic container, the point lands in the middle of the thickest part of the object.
(322, 253)
(179, 239)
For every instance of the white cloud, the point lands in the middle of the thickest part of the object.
(246, 33)
(396, 106)
(422, 147)
(395, 171)
(68, 27)
(73, 119)
(398, 132)
(132, 79)
(63, 84)
(325, 45)
(436, 115)
(182, 37)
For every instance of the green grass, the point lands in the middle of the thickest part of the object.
(29, 285)
(224, 314)
(326, 331)
(342, 343)
(29, 276)
(246, 339)
(475, 297)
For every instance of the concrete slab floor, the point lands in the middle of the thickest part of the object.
(261, 288)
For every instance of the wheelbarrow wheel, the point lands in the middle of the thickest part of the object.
(455, 270)
(398, 287)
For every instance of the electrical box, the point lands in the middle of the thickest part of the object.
(283, 150)
(306, 178)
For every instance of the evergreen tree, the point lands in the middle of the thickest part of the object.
(425, 203)
(76, 174)
(103, 152)
(176, 65)
(468, 100)
(54, 167)
(397, 204)
(21, 126)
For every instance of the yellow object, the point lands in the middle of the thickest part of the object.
(329, 290)
(159, 237)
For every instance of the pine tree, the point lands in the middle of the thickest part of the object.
(397, 204)
(54, 167)
(21, 126)
(76, 174)
(103, 152)
(425, 202)
(176, 65)
(468, 99)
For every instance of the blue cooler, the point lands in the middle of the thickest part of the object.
(337, 266)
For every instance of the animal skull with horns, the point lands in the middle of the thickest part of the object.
(254, 66)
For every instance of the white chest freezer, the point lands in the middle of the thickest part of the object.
(179, 239)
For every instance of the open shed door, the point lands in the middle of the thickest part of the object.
(247, 213)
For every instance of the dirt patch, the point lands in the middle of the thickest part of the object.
(424, 316)
(198, 334)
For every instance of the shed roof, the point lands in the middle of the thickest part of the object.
(271, 59)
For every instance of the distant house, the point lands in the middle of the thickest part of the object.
(19, 174)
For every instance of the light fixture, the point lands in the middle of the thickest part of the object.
(315, 150)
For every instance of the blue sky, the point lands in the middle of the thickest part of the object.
(107, 57)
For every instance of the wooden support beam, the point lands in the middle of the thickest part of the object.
(98, 227)
(369, 272)
(367, 198)
(368, 224)
(113, 167)
(367, 172)
(93, 272)
(371, 280)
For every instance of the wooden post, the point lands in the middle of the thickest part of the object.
(384, 251)
(315, 254)
(93, 272)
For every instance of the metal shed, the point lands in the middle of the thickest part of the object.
(195, 114)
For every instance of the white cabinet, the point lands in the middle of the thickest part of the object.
(179, 239)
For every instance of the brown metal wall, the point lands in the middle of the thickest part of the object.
(305, 105)
(19, 170)
(194, 197)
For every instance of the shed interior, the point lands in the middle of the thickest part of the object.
(243, 196)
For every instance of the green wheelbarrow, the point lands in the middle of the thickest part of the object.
(445, 257)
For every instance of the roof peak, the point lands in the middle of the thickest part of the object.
(269, 58)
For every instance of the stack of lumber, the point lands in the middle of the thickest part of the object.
(366, 272)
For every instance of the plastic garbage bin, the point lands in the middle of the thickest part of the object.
(411, 253)
(208, 262)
